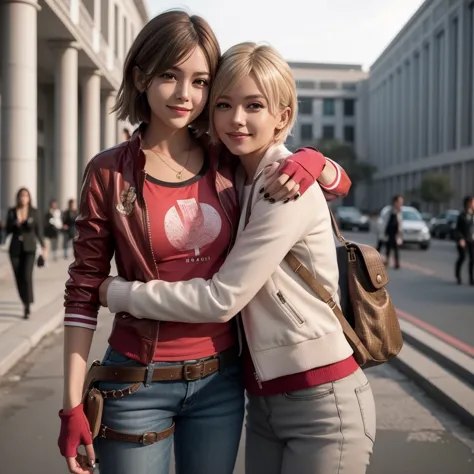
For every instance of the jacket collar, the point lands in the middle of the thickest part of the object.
(274, 153)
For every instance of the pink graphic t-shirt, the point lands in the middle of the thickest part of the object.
(190, 235)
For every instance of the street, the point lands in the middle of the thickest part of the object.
(415, 435)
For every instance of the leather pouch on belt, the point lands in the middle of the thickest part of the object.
(93, 401)
(93, 407)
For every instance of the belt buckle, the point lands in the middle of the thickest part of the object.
(144, 439)
(186, 374)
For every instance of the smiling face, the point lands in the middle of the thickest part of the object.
(178, 95)
(243, 120)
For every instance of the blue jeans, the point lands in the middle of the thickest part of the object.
(208, 414)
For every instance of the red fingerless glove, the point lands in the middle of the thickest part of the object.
(75, 431)
(304, 167)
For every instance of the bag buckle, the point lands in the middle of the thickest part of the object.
(331, 303)
(187, 374)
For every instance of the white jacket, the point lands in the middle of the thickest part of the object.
(288, 329)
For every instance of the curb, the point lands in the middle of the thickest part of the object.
(21, 341)
(452, 393)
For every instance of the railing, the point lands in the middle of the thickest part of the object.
(64, 5)
(86, 23)
(103, 50)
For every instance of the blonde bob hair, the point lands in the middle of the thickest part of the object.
(271, 73)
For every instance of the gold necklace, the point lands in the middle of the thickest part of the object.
(179, 173)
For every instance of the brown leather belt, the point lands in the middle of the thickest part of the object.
(188, 371)
(147, 438)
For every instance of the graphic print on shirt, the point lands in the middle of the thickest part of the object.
(191, 225)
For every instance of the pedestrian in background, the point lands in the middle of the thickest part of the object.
(2, 233)
(24, 224)
(69, 225)
(465, 239)
(53, 226)
(392, 231)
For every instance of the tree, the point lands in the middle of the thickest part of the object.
(436, 189)
(344, 153)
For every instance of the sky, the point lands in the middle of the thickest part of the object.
(332, 31)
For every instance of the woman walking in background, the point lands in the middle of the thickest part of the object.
(69, 225)
(465, 239)
(24, 225)
(53, 227)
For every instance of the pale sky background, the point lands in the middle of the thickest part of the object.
(334, 31)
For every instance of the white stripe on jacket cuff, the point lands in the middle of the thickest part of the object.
(337, 179)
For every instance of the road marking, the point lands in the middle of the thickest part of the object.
(417, 268)
(462, 346)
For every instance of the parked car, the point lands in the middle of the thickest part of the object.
(444, 225)
(414, 228)
(427, 217)
(350, 218)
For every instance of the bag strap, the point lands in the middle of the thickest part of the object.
(298, 267)
(309, 279)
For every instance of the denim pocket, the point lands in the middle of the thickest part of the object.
(112, 358)
(233, 371)
(367, 410)
(311, 393)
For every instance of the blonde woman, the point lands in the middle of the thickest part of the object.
(311, 409)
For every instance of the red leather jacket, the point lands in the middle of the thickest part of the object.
(113, 220)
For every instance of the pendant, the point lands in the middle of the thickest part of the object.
(178, 175)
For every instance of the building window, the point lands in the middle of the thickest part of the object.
(349, 134)
(305, 85)
(349, 107)
(116, 36)
(453, 86)
(425, 149)
(305, 106)
(329, 107)
(328, 132)
(326, 85)
(349, 86)
(470, 77)
(438, 111)
(125, 37)
(306, 131)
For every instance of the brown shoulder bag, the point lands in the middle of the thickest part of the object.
(367, 315)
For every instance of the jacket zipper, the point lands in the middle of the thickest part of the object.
(255, 373)
(146, 224)
(285, 303)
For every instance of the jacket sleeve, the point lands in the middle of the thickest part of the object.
(39, 229)
(341, 185)
(460, 228)
(11, 221)
(271, 232)
(93, 250)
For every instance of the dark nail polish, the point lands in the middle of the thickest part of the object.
(266, 195)
(261, 190)
(296, 197)
(286, 200)
(272, 200)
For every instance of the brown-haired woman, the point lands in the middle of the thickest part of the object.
(165, 204)
(24, 225)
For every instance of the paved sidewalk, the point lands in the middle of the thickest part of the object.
(17, 336)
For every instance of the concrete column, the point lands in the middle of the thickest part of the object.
(66, 120)
(90, 117)
(18, 58)
(110, 121)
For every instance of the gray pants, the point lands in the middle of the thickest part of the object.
(327, 429)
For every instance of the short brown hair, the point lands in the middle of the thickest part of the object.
(165, 41)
